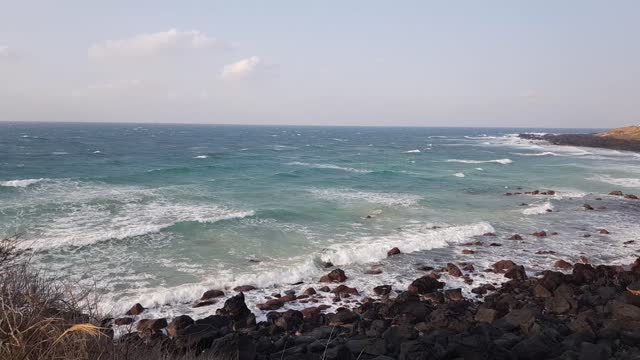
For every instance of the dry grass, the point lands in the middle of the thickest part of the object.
(42, 318)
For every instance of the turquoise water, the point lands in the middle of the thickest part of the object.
(160, 213)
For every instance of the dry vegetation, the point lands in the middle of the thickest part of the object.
(42, 318)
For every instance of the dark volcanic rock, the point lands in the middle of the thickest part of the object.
(588, 140)
(453, 270)
(561, 264)
(503, 266)
(336, 275)
(425, 284)
(136, 309)
(515, 237)
(236, 309)
(394, 251)
(210, 294)
(244, 288)
(382, 290)
(179, 323)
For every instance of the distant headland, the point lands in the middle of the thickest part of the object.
(624, 138)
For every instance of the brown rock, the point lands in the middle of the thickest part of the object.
(516, 273)
(453, 294)
(179, 323)
(468, 252)
(631, 197)
(382, 290)
(324, 289)
(503, 266)
(336, 275)
(545, 252)
(310, 312)
(341, 290)
(515, 237)
(373, 272)
(564, 265)
(540, 291)
(425, 285)
(309, 292)
(453, 270)
(150, 326)
(540, 234)
(394, 251)
(489, 234)
(485, 315)
(588, 207)
(123, 321)
(273, 304)
(244, 288)
(616, 193)
(210, 294)
(204, 303)
(136, 309)
(604, 232)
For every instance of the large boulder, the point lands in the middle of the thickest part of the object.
(336, 275)
(179, 323)
(236, 308)
(425, 284)
(503, 266)
(211, 294)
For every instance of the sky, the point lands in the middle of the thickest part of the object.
(509, 63)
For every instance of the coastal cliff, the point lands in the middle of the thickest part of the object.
(626, 139)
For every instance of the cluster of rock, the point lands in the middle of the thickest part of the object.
(591, 313)
(587, 140)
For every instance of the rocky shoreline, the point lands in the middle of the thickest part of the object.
(586, 140)
(571, 311)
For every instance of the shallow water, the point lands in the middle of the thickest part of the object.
(158, 214)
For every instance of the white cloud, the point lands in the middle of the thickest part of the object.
(151, 44)
(240, 69)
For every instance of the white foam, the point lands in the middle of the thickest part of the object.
(546, 153)
(97, 152)
(59, 153)
(538, 209)
(624, 182)
(412, 151)
(347, 195)
(460, 175)
(371, 249)
(480, 169)
(20, 183)
(328, 166)
(200, 157)
(89, 224)
(498, 161)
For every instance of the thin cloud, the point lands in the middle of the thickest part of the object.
(150, 44)
(240, 69)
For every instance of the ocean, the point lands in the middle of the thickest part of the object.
(158, 214)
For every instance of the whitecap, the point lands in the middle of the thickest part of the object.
(59, 153)
(328, 166)
(347, 195)
(538, 209)
(20, 183)
(200, 157)
(90, 224)
(546, 153)
(624, 182)
(460, 175)
(412, 151)
(498, 161)
(371, 249)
